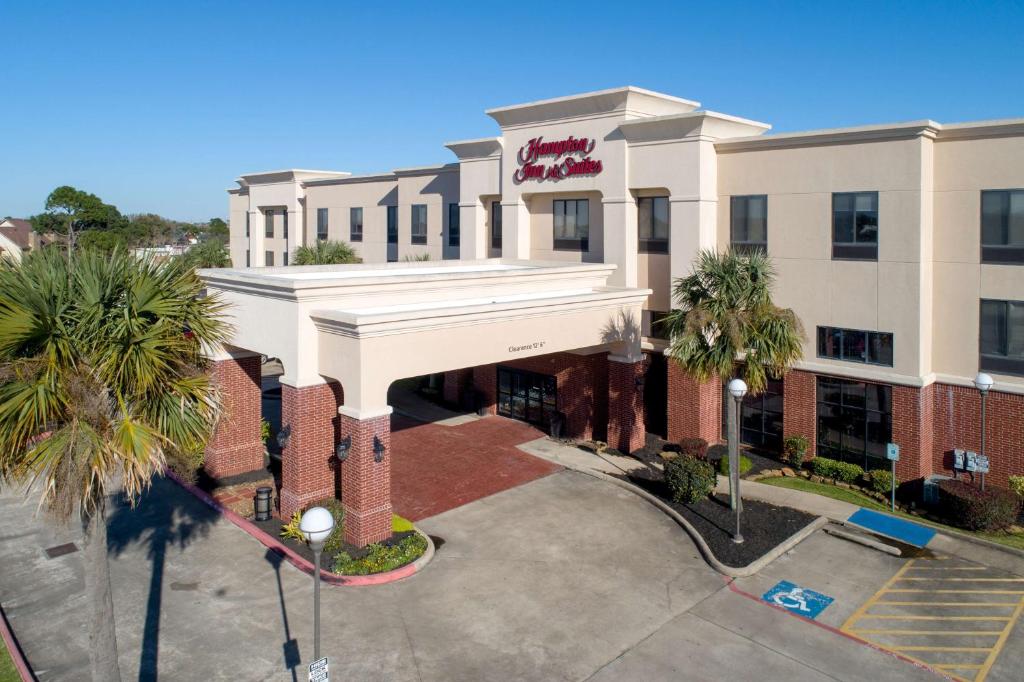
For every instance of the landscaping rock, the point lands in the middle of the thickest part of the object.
(786, 471)
(667, 455)
(805, 473)
(840, 484)
(817, 479)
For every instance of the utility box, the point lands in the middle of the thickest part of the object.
(931, 488)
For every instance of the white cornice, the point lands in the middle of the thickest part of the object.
(814, 138)
(600, 102)
(483, 148)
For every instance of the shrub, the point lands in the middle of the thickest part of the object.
(689, 479)
(291, 531)
(265, 431)
(380, 557)
(794, 450)
(334, 541)
(969, 507)
(1017, 485)
(745, 465)
(695, 447)
(840, 471)
(880, 480)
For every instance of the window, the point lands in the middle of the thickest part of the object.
(322, 218)
(355, 222)
(268, 258)
(1002, 337)
(748, 223)
(419, 224)
(854, 345)
(1002, 226)
(496, 225)
(653, 224)
(454, 231)
(247, 258)
(760, 416)
(284, 216)
(268, 223)
(651, 324)
(246, 223)
(855, 226)
(527, 396)
(854, 421)
(572, 224)
(284, 258)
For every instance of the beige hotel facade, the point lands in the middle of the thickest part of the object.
(899, 246)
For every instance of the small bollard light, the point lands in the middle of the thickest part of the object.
(261, 503)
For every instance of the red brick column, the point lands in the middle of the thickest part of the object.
(310, 415)
(485, 382)
(456, 383)
(912, 417)
(236, 446)
(800, 407)
(625, 404)
(694, 408)
(365, 483)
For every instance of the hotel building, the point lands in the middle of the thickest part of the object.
(900, 247)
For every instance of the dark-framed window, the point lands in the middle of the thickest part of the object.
(392, 224)
(246, 223)
(419, 224)
(495, 224)
(651, 324)
(284, 258)
(855, 345)
(247, 258)
(855, 226)
(268, 223)
(322, 220)
(528, 396)
(284, 224)
(1001, 338)
(1002, 226)
(454, 230)
(760, 416)
(268, 258)
(748, 223)
(571, 224)
(854, 421)
(652, 224)
(355, 224)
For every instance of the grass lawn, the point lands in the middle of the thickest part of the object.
(1015, 540)
(8, 673)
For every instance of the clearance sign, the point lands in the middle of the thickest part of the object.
(569, 157)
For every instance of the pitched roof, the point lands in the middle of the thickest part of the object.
(17, 230)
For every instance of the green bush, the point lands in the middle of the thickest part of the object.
(689, 479)
(794, 450)
(334, 541)
(745, 465)
(291, 530)
(1017, 485)
(880, 480)
(840, 471)
(966, 506)
(695, 447)
(380, 558)
(265, 431)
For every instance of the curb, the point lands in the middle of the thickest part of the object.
(728, 571)
(20, 662)
(297, 559)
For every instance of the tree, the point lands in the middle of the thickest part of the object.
(724, 312)
(208, 254)
(101, 380)
(70, 210)
(216, 229)
(325, 253)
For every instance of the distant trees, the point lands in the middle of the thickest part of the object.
(325, 253)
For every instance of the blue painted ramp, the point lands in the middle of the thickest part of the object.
(898, 529)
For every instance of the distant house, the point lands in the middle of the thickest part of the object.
(18, 237)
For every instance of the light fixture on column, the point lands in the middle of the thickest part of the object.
(283, 436)
(378, 449)
(342, 448)
(983, 383)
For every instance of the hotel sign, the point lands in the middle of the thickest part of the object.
(569, 157)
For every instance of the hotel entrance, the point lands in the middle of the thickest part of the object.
(527, 396)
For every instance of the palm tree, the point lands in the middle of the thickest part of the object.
(324, 252)
(101, 381)
(724, 315)
(209, 254)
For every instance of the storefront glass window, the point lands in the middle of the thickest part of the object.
(854, 421)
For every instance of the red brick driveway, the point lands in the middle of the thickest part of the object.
(435, 468)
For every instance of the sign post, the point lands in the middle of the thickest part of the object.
(892, 452)
(318, 671)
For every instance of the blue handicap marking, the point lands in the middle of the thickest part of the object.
(807, 603)
(899, 529)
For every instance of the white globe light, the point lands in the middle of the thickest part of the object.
(983, 382)
(316, 524)
(737, 388)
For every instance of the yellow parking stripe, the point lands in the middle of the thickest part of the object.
(939, 648)
(882, 631)
(968, 580)
(964, 666)
(1004, 604)
(998, 646)
(902, 589)
(892, 616)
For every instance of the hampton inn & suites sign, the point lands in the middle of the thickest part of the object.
(569, 157)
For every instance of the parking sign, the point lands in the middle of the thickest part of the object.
(318, 671)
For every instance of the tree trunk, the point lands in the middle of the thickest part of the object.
(102, 634)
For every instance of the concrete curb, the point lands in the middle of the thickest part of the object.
(297, 559)
(728, 571)
(20, 663)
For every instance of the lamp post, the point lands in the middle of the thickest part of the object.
(316, 524)
(737, 389)
(983, 383)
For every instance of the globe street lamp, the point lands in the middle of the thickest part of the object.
(737, 389)
(316, 524)
(983, 383)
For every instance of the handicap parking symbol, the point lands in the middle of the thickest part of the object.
(807, 603)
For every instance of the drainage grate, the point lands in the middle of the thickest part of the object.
(61, 550)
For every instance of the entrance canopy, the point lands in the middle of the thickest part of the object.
(368, 325)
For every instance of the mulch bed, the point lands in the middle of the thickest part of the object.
(273, 528)
(764, 526)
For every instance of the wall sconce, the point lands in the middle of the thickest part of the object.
(639, 382)
(378, 450)
(342, 448)
(283, 436)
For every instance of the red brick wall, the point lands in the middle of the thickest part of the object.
(626, 431)
(236, 446)
(694, 408)
(308, 471)
(911, 430)
(457, 384)
(799, 407)
(366, 484)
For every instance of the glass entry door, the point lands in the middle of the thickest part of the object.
(526, 396)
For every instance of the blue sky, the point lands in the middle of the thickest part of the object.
(157, 107)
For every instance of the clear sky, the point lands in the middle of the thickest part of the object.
(159, 106)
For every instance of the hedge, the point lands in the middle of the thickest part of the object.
(695, 447)
(794, 450)
(840, 471)
(689, 479)
(880, 480)
(964, 505)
